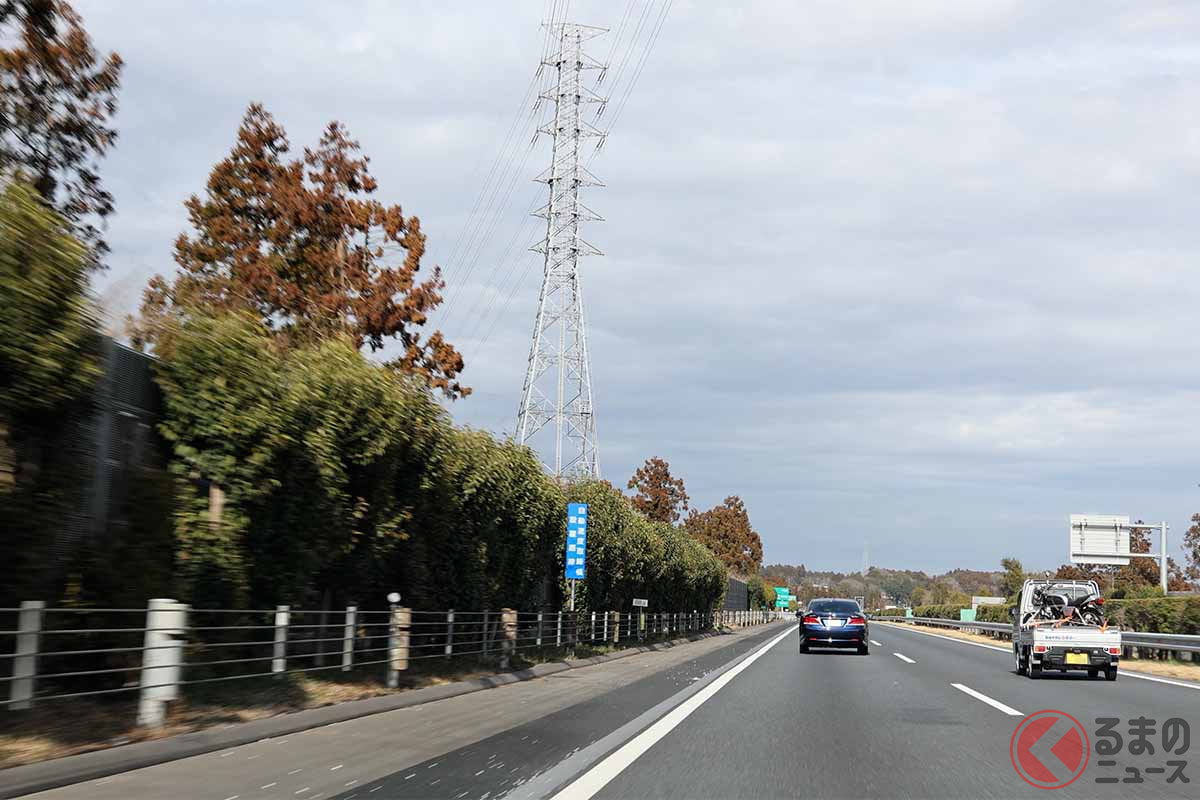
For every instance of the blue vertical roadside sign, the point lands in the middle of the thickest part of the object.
(576, 561)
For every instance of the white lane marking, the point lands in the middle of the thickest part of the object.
(1156, 679)
(335, 769)
(904, 658)
(268, 786)
(877, 644)
(293, 772)
(596, 778)
(233, 797)
(406, 777)
(1127, 673)
(960, 641)
(351, 783)
(1012, 712)
(302, 791)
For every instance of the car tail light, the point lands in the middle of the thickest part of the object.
(1099, 601)
(1114, 651)
(1039, 648)
(857, 621)
(811, 620)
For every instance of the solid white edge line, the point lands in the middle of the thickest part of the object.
(1144, 677)
(1127, 673)
(904, 658)
(1012, 712)
(596, 778)
(953, 639)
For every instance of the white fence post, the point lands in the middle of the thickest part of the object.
(24, 674)
(162, 660)
(279, 655)
(606, 627)
(487, 643)
(398, 626)
(449, 633)
(348, 638)
(539, 629)
(593, 626)
(558, 632)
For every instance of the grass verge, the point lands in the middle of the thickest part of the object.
(57, 728)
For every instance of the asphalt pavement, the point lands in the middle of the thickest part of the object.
(750, 716)
(921, 716)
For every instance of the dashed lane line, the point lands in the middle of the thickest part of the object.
(1012, 712)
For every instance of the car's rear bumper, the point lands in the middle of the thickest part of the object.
(1097, 658)
(820, 636)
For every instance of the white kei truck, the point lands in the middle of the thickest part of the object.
(1042, 644)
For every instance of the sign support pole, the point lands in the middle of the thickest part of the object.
(1162, 557)
(572, 594)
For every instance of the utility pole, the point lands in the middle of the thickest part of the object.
(557, 395)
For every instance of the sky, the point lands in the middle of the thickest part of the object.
(919, 276)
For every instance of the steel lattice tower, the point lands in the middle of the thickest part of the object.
(558, 387)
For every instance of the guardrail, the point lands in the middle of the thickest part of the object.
(53, 654)
(1171, 642)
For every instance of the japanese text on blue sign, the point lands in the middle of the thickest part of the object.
(576, 540)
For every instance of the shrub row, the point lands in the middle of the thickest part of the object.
(942, 611)
(342, 481)
(993, 613)
(1159, 615)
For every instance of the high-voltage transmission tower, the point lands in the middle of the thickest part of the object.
(557, 396)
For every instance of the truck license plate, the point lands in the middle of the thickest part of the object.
(1077, 658)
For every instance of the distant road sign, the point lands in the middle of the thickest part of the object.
(576, 560)
(1099, 539)
(640, 602)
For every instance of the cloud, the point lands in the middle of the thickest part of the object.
(919, 273)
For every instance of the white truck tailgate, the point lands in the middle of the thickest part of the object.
(1076, 637)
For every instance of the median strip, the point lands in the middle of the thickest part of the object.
(904, 658)
(1012, 712)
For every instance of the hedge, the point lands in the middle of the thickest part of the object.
(890, 612)
(993, 614)
(1158, 615)
(942, 611)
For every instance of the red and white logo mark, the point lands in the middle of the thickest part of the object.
(1049, 749)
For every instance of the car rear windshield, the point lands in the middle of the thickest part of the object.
(834, 607)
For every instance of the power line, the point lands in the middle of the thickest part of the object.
(662, 17)
(470, 240)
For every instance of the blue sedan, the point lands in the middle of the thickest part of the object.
(833, 623)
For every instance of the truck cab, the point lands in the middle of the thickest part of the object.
(1041, 644)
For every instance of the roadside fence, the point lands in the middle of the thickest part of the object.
(53, 654)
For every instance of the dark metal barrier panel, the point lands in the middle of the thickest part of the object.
(737, 596)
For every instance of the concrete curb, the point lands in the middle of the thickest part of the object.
(96, 764)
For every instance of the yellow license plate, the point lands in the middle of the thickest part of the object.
(1077, 658)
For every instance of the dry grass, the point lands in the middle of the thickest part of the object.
(53, 729)
(1184, 670)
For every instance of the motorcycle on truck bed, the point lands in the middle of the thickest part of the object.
(1058, 626)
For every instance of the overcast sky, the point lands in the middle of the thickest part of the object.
(918, 273)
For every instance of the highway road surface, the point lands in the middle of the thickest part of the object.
(730, 717)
